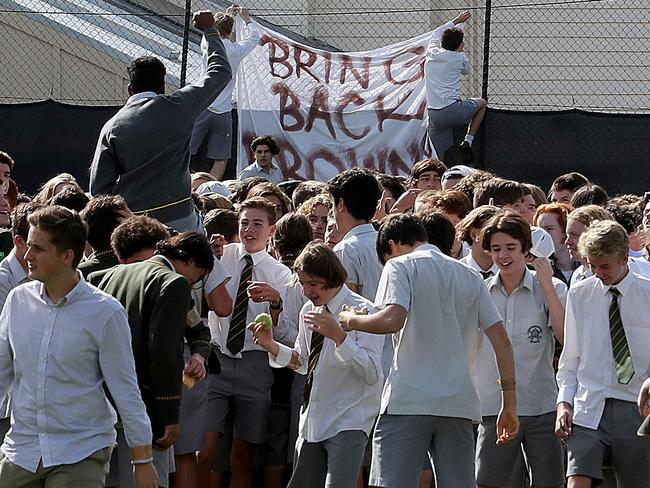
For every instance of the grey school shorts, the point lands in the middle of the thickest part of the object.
(536, 438)
(193, 416)
(616, 433)
(443, 120)
(243, 388)
(217, 128)
(400, 440)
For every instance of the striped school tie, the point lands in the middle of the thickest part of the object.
(315, 347)
(620, 346)
(237, 331)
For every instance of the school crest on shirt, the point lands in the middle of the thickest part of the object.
(535, 334)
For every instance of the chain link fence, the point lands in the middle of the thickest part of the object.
(531, 58)
(540, 55)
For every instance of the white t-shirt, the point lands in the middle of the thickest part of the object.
(442, 70)
(435, 351)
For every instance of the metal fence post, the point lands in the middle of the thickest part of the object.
(186, 41)
(486, 72)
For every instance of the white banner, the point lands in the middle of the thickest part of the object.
(333, 111)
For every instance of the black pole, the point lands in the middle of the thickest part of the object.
(186, 41)
(486, 75)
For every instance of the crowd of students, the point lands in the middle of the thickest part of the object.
(448, 328)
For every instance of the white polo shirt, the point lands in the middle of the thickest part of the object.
(435, 351)
(526, 319)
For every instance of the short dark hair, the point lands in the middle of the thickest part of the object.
(510, 223)
(102, 216)
(241, 188)
(222, 221)
(452, 38)
(267, 189)
(266, 141)
(400, 228)
(451, 202)
(306, 190)
(569, 181)
(65, 228)
(135, 234)
(147, 73)
(628, 215)
(319, 260)
(472, 181)
(70, 197)
(538, 194)
(6, 159)
(589, 194)
(502, 192)
(186, 247)
(359, 190)
(440, 230)
(392, 184)
(292, 233)
(19, 219)
(426, 166)
(259, 203)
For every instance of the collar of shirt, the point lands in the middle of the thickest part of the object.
(358, 230)
(141, 96)
(77, 291)
(159, 258)
(473, 264)
(526, 281)
(16, 268)
(272, 168)
(335, 305)
(258, 256)
(623, 286)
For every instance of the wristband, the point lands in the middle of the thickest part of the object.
(141, 454)
(142, 461)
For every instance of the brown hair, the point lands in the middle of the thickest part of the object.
(589, 213)
(476, 219)
(292, 233)
(502, 192)
(319, 260)
(306, 190)
(269, 189)
(224, 23)
(135, 234)
(65, 228)
(450, 202)
(510, 223)
(309, 205)
(260, 203)
(427, 165)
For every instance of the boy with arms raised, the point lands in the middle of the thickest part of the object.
(344, 377)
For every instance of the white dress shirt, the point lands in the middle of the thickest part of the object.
(442, 70)
(12, 274)
(294, 300)
(266, 269)
(587, 374)
(56, 358)
(527, 321)
(236, 52)
(435, 351)
(637, 265)
(471, 262)
(347, 380)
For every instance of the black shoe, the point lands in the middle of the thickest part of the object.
(465, 148)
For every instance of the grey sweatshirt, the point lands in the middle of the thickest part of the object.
(143, 152)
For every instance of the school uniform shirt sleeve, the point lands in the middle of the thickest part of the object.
(488, 315)
(300, 347)
(394, 286)
(350, 261)
(567, 375)
(6, 353)
(218, 276)
(361, 353)
(561, 290)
